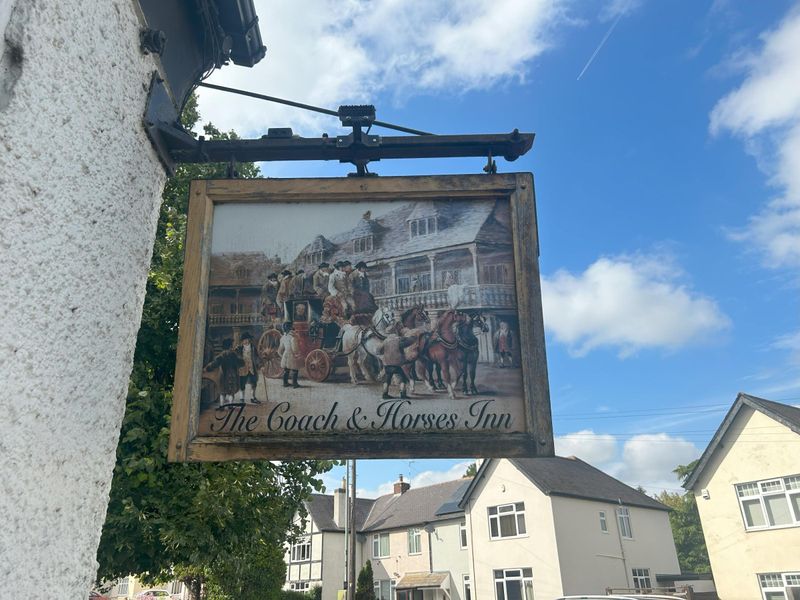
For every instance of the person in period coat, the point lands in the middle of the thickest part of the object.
(289, 351)
(320, 280)
(393, 360)
(299, 283)
(363, 300)
(228, 362)
(504, 344)
(248, 372)
(285, 287)
(269, 297)
(339, 285)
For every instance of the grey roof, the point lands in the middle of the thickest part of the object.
(451, 507)
(320, 509)
(572, 477)
(459, 221)
(783, 413)
(417, 506)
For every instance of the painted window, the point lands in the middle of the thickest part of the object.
(378, 287)
(384, 589)
(380, 545)
(770, 503)
(420, 227)
(301, 550)
(414, 541)
(603, 522)
(507, 520)
(780, 586)
(403, 285)
(313, 258)
(496, 274)
(122, 586)
(467, 587)
(242, 273)
(363, 244)
(513, 584)
(462, 534)
(624, 522)
(641, 580)
(450, 277)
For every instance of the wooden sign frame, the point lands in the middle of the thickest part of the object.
(533, 438)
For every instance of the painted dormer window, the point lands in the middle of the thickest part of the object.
(362, 244)
(420, 227)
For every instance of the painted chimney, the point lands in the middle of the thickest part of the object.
(401, 487)
(340, 506)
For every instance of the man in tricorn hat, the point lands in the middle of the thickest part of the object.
(269, 295)
(339, 285)
(248, 371)
(362, 298)
(320, 280)
(284, 287)
(299, 283)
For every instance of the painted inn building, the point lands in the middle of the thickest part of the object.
(418, 250)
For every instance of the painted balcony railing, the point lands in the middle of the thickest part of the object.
(472, 296)
(240, 319)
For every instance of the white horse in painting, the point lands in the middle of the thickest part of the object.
(363, 345)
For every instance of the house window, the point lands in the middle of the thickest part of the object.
(216, 309)
(122, 586)
(770, 503)
(414, 541)
(507, 520)
(624, 522)
(403, 285)
(301, 551)
(380, 545)
(450, 277)
(513, 584)
(421, 282)
(176, 587)
(420, 227)
(780, 586)
(641, 580)
(313, 258)
(242, 273)
(299, 586)
(378, 287)
(467, 587)
(603, 522)
(362, 244)
(496, 274)
(384, 589)
(462, 534)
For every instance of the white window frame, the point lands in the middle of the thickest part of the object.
(624, 522)
(787, 487)
(376, 545)
(603, 522)
(780, 583)
(363, 245)
(414, 541)
(463, 538)
(515, 509)
(122, 586)
(466, 584)
(521, 575)
(377, 586)
(301, 550)
(300, 586)
(642, 581)
(176, 587)
(422, 227)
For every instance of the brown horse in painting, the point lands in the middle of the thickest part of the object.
(442, 350)
(414, 321)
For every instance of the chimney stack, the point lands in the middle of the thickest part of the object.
(401, 487)
(340, 505)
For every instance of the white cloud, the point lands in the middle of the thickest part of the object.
(765, 111)
(421, 479)
(629, 303)
(334, 52)
(645, 460)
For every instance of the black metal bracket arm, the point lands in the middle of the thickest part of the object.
(183, 148)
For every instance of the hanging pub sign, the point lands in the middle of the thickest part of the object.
(361, 318)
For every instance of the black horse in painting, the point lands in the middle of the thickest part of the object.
(468, 344)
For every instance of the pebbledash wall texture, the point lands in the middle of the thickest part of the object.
(79, 190)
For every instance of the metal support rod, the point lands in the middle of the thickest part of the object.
(351, 546)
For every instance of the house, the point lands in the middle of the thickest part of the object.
(545, 526)
(416, 251)
(747, 486)
(129, 587)
(557, 526)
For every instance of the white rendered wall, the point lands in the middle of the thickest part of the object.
(79, 189)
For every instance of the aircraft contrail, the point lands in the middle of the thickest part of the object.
(600, 45)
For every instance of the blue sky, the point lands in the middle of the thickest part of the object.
(667, 182)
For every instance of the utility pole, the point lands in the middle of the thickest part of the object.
(351, 542)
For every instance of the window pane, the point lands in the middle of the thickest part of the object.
(385, 589)
(772, 486)
(493, 527)
(771, 580)
(527, 572)
(492, 510)
(521, 524)
(747, 489)
(501, 594)
(506, 508)
(792, 483)
(753, 515)
(520, 506)
(384, 544)
(508, 526)
(528, 590)
(777, 510)
(514, 590)
(775, 596)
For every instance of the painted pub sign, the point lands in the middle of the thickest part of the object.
(361, 318)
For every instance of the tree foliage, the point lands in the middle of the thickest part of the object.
(219, 523)
(472, 470)
(365, 587)
(686, 529)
